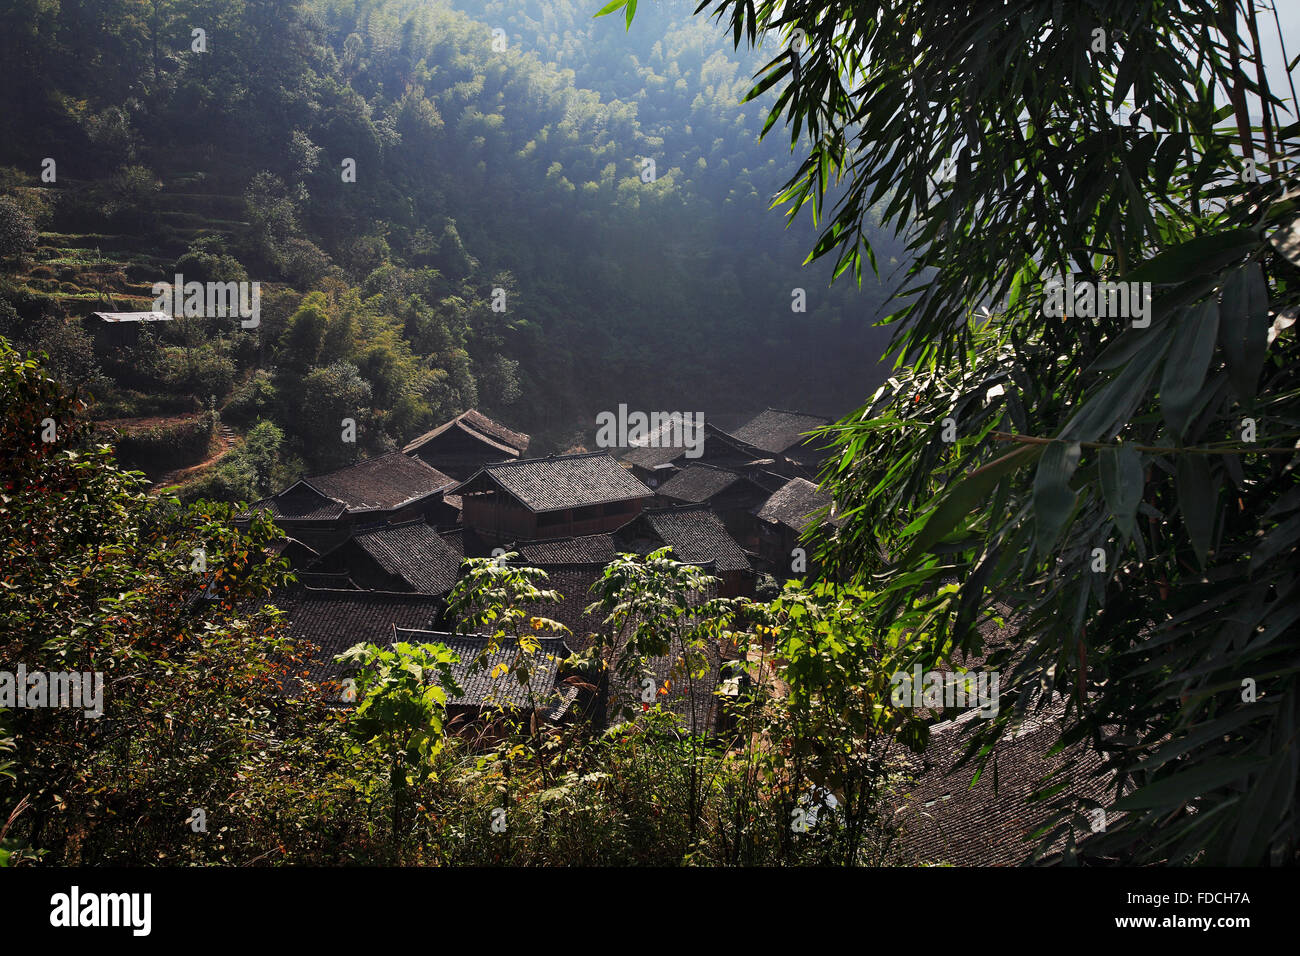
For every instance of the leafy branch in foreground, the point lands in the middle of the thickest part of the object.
(1148, 559)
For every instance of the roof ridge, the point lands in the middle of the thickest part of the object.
(707, 464)
(489, 419)
(557, 482)
(359, 461)
(359, 592)
(529, 461)
(493, 432)
(793, 411)
(305, 480)
(679, 507)
(564, 537)
(395, 524)
(481, 637)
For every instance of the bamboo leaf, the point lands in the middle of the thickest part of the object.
(1198, 498)
(1202, 254)
(1243, 328)
(1186, 364)
(968, 493)
(1053, 499)
(1182, 788)
(1122, 485)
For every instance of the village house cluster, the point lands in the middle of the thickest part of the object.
(377, 547)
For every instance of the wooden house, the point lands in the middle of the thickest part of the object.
(118, 330)
(322, 511)
(725, 450)
(335, 620)
(657, 456)
(697, 536)
(590, 550)
(732, 496)
(782, 435)
(489, 687)
(463, 445)
(559, 496)
(689, 696)
(293, 551)
(411, 556)
(780, 522)
(656, 465)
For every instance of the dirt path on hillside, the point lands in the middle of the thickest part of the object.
(226, 439)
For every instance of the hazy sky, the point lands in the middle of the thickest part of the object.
(1288, 12)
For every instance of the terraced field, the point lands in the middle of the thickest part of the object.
(79, 272)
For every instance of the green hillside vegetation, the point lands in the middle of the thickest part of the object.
(476, 170)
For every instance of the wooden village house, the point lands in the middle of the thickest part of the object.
(780, 522)
(411, 556)
(782, 435)
(322, 511)
(119, 330)
(469, 441)
(733, 496)
(552, 497)
(697, 536)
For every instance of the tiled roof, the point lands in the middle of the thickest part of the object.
(943, 819)
(776, 430)
(563, 481)
(336, 620)
(299, 502)
(322, 579)
(654, 450)
(769, 481)
(482, 424)
(380, 484)
(650, 458)
(691, 698)
(293, 550)
(574, 585)
(454, 539)
(793, 504)
(475, 423)
(697, 483)
(414, 552)
(580, 549)
(121, 317)
(697, 536)
(480, 689)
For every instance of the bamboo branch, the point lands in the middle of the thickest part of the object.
(1265, 95)
(1237, 92)
(1155, 449)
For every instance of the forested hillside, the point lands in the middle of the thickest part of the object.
(222, 156)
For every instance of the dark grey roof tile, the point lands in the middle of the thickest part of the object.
(561, 481)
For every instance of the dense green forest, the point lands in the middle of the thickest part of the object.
(500, 246)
